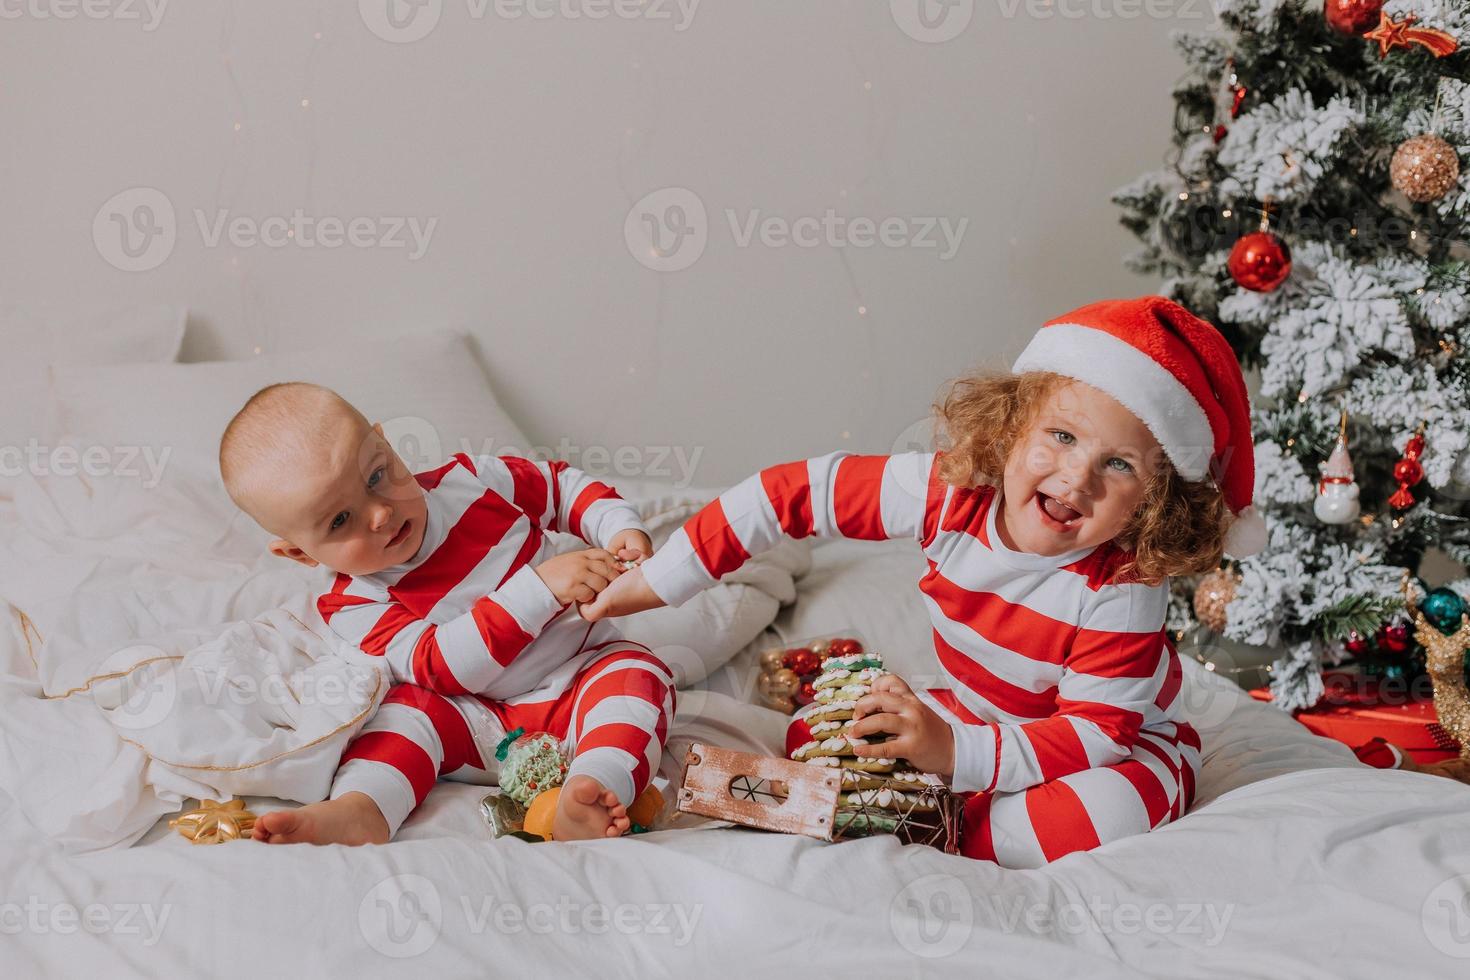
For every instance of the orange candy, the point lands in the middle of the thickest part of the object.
(541, 813)
(645, 810)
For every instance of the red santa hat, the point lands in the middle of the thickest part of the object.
(1180, 377)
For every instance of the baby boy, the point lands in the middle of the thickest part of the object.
(447, 578)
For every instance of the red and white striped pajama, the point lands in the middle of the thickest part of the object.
(1062, 683)
(477, 645)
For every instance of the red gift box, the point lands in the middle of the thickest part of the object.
(1356, 709)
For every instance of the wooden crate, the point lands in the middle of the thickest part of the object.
(798, 798)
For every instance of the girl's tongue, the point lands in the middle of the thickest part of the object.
(1058, 511)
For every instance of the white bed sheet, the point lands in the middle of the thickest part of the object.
(1296, 861)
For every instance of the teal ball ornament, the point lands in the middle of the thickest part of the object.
(1443, 608)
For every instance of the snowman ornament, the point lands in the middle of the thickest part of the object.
(1337, 490)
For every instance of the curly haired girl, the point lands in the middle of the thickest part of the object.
(1115, 454)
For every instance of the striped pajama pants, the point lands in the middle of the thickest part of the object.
(1078, 811)
(611, 708)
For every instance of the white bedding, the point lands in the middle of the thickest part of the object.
(1295, 861)
(154, 651)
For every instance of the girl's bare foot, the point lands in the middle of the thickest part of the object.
(586, 809)
(352, 818)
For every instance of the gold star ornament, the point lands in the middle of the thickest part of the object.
(215, 822)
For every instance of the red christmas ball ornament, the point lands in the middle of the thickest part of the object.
(1355, 644)
(1394, 639)
(802, 661)
(1260, 262)
(1352, 16)
(805, 694)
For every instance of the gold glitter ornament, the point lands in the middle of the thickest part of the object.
(1425, 168)
(1445, 663)
(1214, 592)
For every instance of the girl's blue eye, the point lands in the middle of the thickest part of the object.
(339, 520)
(1059, 433)
(1125, 468)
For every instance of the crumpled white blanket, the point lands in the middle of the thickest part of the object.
(156, 652)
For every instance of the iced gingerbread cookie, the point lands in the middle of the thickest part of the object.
(830, 711)
(829, 727)
(840, 678)
(851, 692)
(900, 779)
(888, 799)
(833, 745)
(853, 661)
(853, 763)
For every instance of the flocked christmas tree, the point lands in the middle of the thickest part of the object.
(1316, 206)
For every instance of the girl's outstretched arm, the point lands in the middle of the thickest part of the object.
(839, 495)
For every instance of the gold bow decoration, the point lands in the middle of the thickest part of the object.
(215, 822)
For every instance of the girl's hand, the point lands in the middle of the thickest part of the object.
(627, 594)
(919, 734)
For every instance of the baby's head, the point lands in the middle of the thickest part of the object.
(1123, 421)
(310, 469)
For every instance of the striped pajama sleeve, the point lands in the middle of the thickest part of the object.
(839, 495)
(560, 497)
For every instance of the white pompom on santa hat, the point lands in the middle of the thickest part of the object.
(1176, 373)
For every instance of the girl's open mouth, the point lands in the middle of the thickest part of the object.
(401, 536)
(1056, 515)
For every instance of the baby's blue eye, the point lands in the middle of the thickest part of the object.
(339, 520)
(377, 475)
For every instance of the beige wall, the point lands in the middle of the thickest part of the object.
(529, 140)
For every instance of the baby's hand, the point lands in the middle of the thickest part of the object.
(917, 733)
(628, 595)
(631, 545)
(579, 576)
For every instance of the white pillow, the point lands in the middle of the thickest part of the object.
(429, 391)
(870, 588)
(35, 339)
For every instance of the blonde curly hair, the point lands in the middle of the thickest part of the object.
(1179, 529)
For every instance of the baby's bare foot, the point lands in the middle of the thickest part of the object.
(586, 809)
(350, 819)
